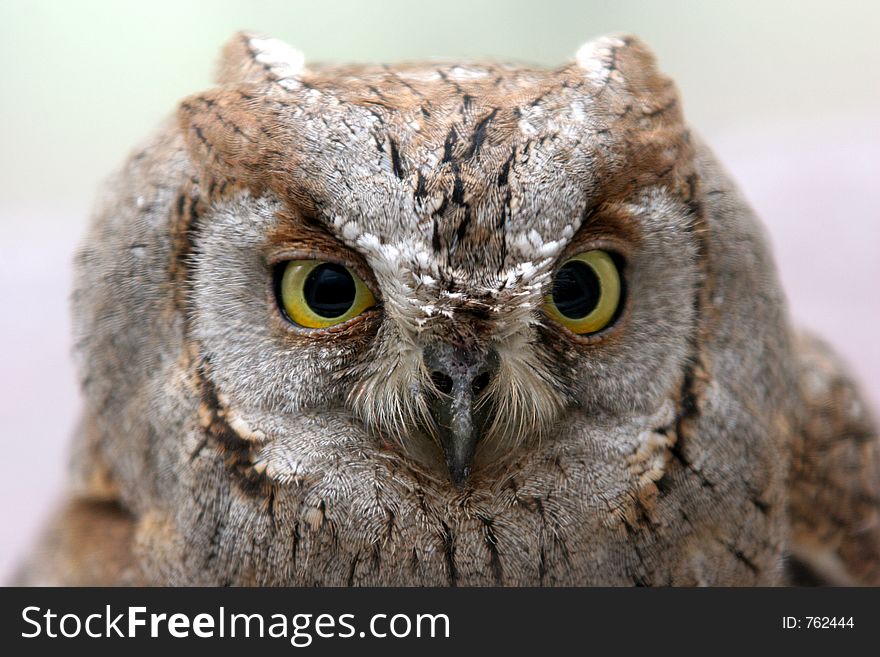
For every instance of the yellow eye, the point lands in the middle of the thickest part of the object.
(317, 294)
(586, 292)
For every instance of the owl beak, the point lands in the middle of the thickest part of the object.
(460, 376)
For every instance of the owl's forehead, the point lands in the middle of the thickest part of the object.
(482, 168)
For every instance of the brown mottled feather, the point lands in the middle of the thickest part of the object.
(693, 441)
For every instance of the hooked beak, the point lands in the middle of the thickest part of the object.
(460, 376)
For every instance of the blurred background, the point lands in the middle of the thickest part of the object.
(788, 94)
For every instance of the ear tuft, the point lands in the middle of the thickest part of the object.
(621, 59)
(251, 58)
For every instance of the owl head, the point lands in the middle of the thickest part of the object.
(326, 296)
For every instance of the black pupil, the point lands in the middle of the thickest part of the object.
(576, 290)
(329, 290)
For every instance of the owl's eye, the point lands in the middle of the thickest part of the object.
(316, 294)
(586, 292)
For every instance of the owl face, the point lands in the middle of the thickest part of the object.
(393, 324)
(467, 203)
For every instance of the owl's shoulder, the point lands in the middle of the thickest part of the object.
(835, 471)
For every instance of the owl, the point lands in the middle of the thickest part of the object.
(448, 325)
